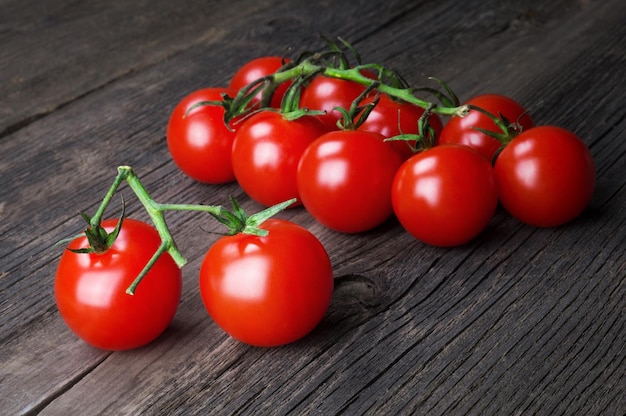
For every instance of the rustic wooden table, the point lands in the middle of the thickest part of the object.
(520, 321)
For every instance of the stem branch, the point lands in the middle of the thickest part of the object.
(162, 249)
(309, 68)
(236, 223)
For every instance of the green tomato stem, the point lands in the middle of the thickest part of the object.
(237, 222)
(97, 217)
(165, 246)
(308, 68)
(155, 212)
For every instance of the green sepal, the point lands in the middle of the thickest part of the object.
(202, 104)
(238, 222)
(255, 220)
(501, 137)
(508, 129)
(97, 237)
(356, 115)
(452, 97)
(301, 112)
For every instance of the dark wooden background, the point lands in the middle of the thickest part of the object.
(520, 321)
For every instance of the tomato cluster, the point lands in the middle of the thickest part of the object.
(268, 282)
(350, 178)
(353, 151)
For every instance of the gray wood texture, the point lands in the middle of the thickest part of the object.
(520, 321)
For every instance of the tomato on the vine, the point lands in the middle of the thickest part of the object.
(462, 130)
(90, 289)
(267, 291)
(266, 152)
(344, 179)
(391, 117)
(324, 94)
(545, 176)
(446, 195)
(198, 140)
(257, 69)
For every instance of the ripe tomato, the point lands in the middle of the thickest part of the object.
(199, 142)
(90, 289)
(267, 291)
(258, 68)
(461, 130)
(446, 195)
(324, 94)
(266, 152)
(344, 179)
(391, 117)
(545, 176)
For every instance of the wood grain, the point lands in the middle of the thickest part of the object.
(519, 321)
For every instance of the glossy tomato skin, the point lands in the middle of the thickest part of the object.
(258, 68)
(545, 176)
(199, 142)
(267, 291)
(460, 130)
(266, 152)
(391, 117)
(90, 289)
(446, 195)
(324, 94)
(344, 179)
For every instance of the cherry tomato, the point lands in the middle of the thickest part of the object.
(90, 289)
(325, 94)
(267, 291)
(446, 195)
(344, 179)
(391, 117)
(545, 176)
(199, 142)
(266, 152)
(461, 130)
(258, 68)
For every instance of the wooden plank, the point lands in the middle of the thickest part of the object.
(511, 323)
(57, 52)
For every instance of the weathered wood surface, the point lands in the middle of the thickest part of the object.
(520, 321)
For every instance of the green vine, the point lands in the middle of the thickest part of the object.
(236, 221)
(335, 63)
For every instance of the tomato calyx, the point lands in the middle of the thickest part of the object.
(98, 238)
(238, 222)
(508, 129)
(356, 115)
(233, 109)
(425, 137)
(290, 105)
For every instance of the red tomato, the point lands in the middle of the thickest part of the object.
(258, 68)
(90, 289)
(200, 143)
(266, 152)
(344, 179)
(325, 94)
(461, 130)
(391, 117)
(545, 176)
(446, 195)
(267, 291)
